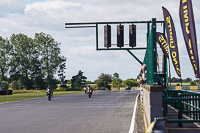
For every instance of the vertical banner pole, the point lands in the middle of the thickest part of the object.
(155, 78)
(169, 74)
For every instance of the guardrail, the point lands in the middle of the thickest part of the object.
(186, 102)
(158, 125)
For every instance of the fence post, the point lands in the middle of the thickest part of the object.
(164, 107)
(180, 113)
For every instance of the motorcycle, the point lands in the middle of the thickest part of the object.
(49, 94)
(89, 92)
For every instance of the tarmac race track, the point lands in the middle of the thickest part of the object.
(104, 112)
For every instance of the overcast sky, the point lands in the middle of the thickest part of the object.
(78, 45)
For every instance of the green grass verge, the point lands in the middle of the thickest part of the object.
(30, 95)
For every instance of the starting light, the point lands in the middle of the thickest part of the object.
(120, 36)
(107, 36)
(132, 35)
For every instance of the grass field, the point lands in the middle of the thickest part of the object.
(29, 95)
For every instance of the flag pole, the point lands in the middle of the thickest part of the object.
(169, 74)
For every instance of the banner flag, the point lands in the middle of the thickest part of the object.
(157, 59)
(162, 41)
(189, 33)
(172, 41)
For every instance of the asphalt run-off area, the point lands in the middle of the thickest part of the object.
(104, 112)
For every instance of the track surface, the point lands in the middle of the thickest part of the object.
(104, 112)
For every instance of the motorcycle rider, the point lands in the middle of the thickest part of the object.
(51, 90)
(90, 88)
(85, 89)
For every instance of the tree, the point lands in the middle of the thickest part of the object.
(193, 83)
(115, 76)
(78, 81)
(16, 85)
(188, 80)
(130, 82)
(116, 82)
(175, 79)
(4, 57)
(61, 72)
(104, 80)
(34, 61)
(49, 55)
(22, 54)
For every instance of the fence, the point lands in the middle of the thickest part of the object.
(186, 102)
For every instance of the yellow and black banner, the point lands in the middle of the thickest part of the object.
(189, 33)
(162, 41)
(172, 40)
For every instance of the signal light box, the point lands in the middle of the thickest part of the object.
(107, 36)
(132, 35)
(120, 36)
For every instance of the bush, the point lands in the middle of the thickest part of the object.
(193, 83)
(4, 85)
(177, 84)
(17, 85)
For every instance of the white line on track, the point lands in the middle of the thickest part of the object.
(131, 130)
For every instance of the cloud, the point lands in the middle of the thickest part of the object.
(11, 7)
(78, 45)
(50, 5)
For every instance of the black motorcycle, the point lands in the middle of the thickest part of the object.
(49, 94)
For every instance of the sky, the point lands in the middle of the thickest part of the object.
(79, 46)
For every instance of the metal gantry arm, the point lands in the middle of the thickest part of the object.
(151, 49)
(96, 24)
(135, 57)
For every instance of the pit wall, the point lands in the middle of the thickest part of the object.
(152, 102)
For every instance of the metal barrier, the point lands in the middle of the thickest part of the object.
(158, 125)
(186, 102)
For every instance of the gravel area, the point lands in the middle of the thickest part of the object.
(139, 123)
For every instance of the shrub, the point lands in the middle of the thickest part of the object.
(177, 84)
(193, 83)
(4, 85)
(17, 85)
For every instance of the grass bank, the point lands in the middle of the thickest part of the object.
(31, 94)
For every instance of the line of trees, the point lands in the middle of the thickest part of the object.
(108, 81)
(187, 80)
(103, 81)
(29, 63)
